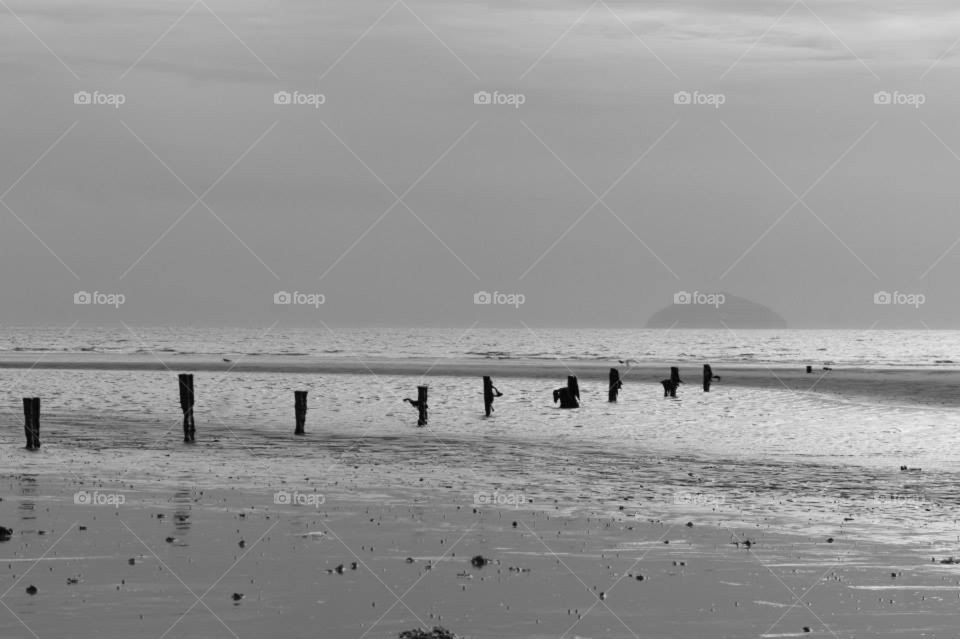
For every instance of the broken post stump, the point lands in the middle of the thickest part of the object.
(675, 375)
(569, 395)
(669, 387)
(31, 422)
(809, 369)
(707, 377)
(615, 385)
(300, 411)
(490, 392)
(186, 405)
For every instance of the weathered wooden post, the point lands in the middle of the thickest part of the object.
(615, 385)
(422, 405)
(300, 411)
(569, 395)
(574, 387)
(28, 421)
(707, 377)
(809, 369)
(31, 421)
(670, 385)
(490, 392)
(186, 405)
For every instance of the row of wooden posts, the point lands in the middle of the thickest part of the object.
(568, 396)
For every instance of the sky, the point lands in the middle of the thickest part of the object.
(802, 154)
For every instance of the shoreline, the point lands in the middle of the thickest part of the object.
(939, 387)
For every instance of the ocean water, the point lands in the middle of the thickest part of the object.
(862, 348)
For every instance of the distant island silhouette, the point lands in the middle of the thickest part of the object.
(733, 312)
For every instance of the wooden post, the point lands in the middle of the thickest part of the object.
(31, 421)
(809, 369)
(675, 375)
(569, 395)
(422, 405)
(669, 387)
(36, 423)
(300, 411)
(186, 405)
(707, 377)
(490, 392)
(615, 385)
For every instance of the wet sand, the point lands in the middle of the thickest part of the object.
(129, 570)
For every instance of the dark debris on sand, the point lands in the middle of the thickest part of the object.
(438, 632)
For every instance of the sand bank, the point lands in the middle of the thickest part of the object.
(932, 386)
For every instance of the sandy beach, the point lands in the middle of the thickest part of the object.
(801, 520)
(193, 562)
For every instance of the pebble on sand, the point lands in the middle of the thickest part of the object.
(438, 632)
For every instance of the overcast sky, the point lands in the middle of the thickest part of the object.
(799, 191)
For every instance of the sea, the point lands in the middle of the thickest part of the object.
(857, 348)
